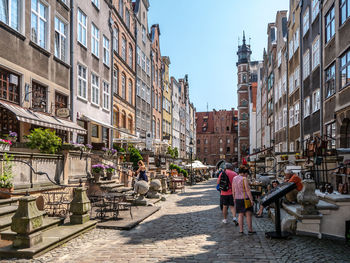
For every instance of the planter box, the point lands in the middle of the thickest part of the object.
(4, 147)
(7, 194)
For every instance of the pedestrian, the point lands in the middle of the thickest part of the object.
(274, 184)
(243, 199)
(289, 176)
(142, 172)
(226, 198)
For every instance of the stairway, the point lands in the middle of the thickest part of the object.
(8, 208)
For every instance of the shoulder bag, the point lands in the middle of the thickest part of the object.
(247, 202)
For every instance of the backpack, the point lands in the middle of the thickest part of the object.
(224, 184)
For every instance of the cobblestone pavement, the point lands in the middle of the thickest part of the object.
(188, 228)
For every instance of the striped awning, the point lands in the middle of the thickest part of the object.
(40, 119)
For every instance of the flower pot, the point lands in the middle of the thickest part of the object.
(13, 139)
(109, 176)
(7, 194)
(97, 177)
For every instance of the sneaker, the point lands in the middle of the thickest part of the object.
(224, 221)
(235, 221)
(251, 232)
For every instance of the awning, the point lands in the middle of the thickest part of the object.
(40, 119)
(88, 118)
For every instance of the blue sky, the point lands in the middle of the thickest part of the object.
(201, 39)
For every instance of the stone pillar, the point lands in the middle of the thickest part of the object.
(164, 184)
(80, 206)
(25, 222)
(307, 198)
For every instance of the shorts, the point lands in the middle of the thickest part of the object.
(227, 200)
(240, 207)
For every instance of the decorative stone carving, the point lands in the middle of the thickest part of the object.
(141, 188)
(154, 188)
(25, 222)
(307, 198)
(80, 206)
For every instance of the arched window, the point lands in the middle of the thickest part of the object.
(130, 56)
(130, 91)
(123, 119)
(123, 86)
(123, 48)
(116, 39)
(130, 124)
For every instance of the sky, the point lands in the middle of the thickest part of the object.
(201, 39)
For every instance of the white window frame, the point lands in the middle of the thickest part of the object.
(291, 147)
(106, 95)
(138, 56)
(130, 92)
(306, 21)
(291, 116)
(296, 113)
(106, 54)
(143, 61)
(297, 77)
(315, 5)
(148, 67)
(81, 79)
(291, 50)
(291, 83)
(316, 53)
(316, 100)
(285, 117)
(123, 86)
(138, 87)
(38, 41)
(96, 3)
(116, 39)
(306, 64)
(115, 80)
(95, 90)
(296, 40)
(95, 40)
(124, 48)
(143, 34)
(83, 28)
(18, 25)
(307, 107)
(131, 62)
(62, 37)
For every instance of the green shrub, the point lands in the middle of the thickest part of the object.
(46, 141)
(6, 176)
(135, 156)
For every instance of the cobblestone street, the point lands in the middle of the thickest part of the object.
(188, 228)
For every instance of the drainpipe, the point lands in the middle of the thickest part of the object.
(321, 68)
(287, 91)
(110, 24)
(301, 119)
(71, 46)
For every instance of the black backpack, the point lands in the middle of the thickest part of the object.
(224, 184)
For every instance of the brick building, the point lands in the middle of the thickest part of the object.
(217, 136)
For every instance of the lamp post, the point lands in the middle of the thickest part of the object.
(191, 151)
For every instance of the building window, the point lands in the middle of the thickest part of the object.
(291, 83)
(330, 24)
(198, 141)
(306, 107)
(148, 67)
(130, 56)
(82, 81)
(106, 50)
(330, 81)
(344, 10)
(95, 40)
(306, 22)
(60, 39)
(127, 18)
(291, 147)
(8, 122)
(106, 98)
(130, 91)
(205, 150)
(291, 50)
(123, 86)
(10, 13)
(158, 129)
(95, 89)
(220, 141)
(124, 48)
(316, 101)
(39, 97)
(121, 8)
(105, 135)
(143, 34)
(315, 9)
(123, 119)
(116, 39)
(82, 27)
(9, 86)
(143, 63)
(94, 130)
(221, 149)
(96, 3)
(39, 20)
(115, 80)
(330, 129)
(296, 113)
(284, 117)
(306, 64)
(154, 127)
(296, 39)
(61, 101)
(316, 53)
(345, 69)
(291, 116)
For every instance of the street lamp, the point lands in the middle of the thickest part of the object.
(191, 151)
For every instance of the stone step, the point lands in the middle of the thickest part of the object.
(110, 186)
(106, 182)
(48, 223)
(9, 201)
(8, 210)
(5, 223)
(51, 238)
(122, 189)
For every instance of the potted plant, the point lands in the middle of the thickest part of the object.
(110, 169)
(46, 141)
(97, 171)
(297, 156)
(88, 148)
(6, 178)
(5, 145)
(284, 157)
